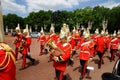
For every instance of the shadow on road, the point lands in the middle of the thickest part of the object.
(67, 77)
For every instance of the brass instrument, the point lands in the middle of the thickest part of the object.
(53, 49)
(51, 44)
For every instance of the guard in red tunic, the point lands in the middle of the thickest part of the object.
(100, 43)
(108, 39)
(84, 54)
(42, 40)
(52, 36)
(7, 62)
(28, 40)
(18, 38)
(113, 47)
(23, 49)
(61, 56)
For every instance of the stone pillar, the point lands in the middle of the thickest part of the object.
(1, 25)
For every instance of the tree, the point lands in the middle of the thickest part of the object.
(11, 20)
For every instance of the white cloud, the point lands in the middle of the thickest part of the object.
(36, 5)
(9, 6)
(110, 4)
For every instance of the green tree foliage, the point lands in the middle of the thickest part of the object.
(11, 20)
(82, 16)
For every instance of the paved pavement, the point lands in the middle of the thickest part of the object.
(43, 70)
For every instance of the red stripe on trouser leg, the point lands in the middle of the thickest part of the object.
(29, 49)
(16, 53)
(23, 60)
(84, 69)
(61, 75)
(41, 49)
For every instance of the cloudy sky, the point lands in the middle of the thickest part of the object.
(24, 7)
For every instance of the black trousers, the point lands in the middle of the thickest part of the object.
(112, 51)
(100, 55)
(83, 63)
(30, 58)
(59, 74)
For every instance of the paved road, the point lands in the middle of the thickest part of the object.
(43, 70)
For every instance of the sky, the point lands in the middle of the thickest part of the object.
(24, 7)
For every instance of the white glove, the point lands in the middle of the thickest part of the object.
(55, 58)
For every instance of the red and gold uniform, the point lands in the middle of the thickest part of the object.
(108, 40)
(61, 64)
(84, 56)
(72, 42)
(100, 43)
(55, 38)
(52, 36)
(42, 40)
(28, 42)
(92, 50)
(18, 39)
(76, 39)
(24, 44)
(113, 47)
(7, 63)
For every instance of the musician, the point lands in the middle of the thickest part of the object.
(7, 62)
(26, 41)
(113, 47)
(84, 54)
(53, 36)
(42, 40)
(100, 46)
(18, 38)
(61, 56)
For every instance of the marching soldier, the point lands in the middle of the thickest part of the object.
(18, 38)
(42, 40)
(23, 49)
(52, 36)
(7, 62)
(100, 46)
(84, 54)
(113, 46)
(61, 56)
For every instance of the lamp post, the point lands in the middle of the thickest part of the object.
(1, 25)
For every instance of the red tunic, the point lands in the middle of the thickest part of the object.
(24, 45)
(108, 40)
(113, 44)
(66, 47)
(85, 51)
(19, 38)
(71, 41)
(92, 51)
(9, 72)
(28, 43)
(52, 36)
(100, 44)
(80, 42)
(42, 39)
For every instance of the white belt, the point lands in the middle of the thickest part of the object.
(85, 51)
